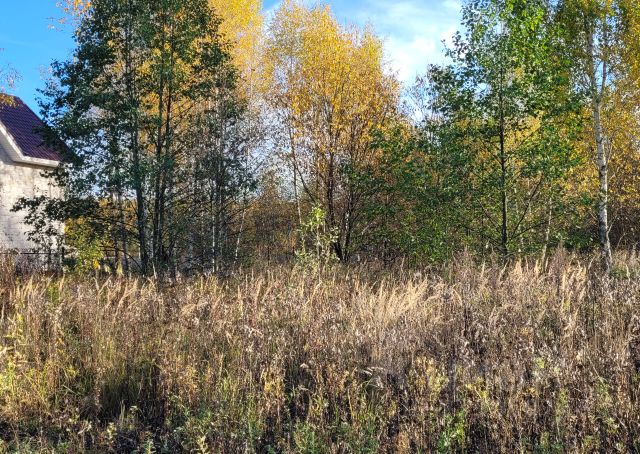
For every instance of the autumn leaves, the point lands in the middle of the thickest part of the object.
(195, 118)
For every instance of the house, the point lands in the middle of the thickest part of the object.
(24, 158)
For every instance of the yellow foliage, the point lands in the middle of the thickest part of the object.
(632, 37)
(623, 127)
(74, 8)
(329, 81)
(86, 246)
(330, 90)
(242, 22)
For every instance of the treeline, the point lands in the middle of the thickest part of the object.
(198, 138)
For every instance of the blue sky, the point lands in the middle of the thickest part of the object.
(412, 29)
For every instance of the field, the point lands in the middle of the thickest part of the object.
(465, 358)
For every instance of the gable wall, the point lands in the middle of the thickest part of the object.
(16, 181)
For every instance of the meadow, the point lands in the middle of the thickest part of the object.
(468, 357)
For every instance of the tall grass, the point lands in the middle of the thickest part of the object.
(469, 359)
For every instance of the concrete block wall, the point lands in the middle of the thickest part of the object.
(17, 181)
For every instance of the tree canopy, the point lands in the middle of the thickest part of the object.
(198, 134)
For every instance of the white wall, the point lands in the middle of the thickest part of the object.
(16, 181)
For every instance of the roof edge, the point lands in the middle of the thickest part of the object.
(15, 153)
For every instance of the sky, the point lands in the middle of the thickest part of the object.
(413, 31)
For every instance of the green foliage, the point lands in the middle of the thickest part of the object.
(453, 438)
(146, 111)
(86, 246)
(306, 440)
(316, 241)
(412, 200)
(487, 168)
(508, 110)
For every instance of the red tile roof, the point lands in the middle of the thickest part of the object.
(24, 126)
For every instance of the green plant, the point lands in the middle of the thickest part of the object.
(453, 437)
(316, 241)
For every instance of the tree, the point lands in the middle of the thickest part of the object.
(8, 78)
(622, 123)
(330, 90)
(487, 164)
(508, 91)
(410, 213)
(594, 41)
(241, 25)
(147, 107)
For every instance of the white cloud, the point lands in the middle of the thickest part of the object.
(409, 58)
(415, 30)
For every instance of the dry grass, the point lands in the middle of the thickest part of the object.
(468, 359)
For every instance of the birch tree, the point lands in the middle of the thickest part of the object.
(330, 89)
(593, 39)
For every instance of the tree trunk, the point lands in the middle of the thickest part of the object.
(123, 234)
(504, 240)
(597, 90)
(547, 233)
(603, 193)
(160, 158)
(135, 151)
